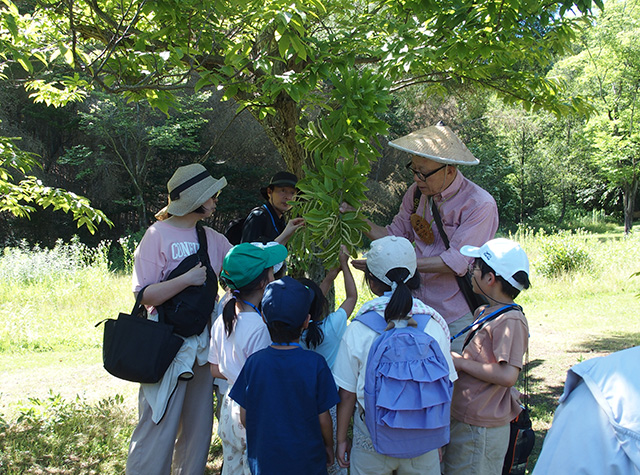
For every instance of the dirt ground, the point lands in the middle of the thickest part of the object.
(70, 374)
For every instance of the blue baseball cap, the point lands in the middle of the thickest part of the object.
(286, 300)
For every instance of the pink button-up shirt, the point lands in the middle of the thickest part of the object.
(469, 216)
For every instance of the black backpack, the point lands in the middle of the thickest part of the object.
(190, 310)
(233, 233)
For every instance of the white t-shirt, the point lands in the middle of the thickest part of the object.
(249, 335)
(349, 367)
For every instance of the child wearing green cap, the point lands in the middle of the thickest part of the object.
(238, 333)
(286, 392)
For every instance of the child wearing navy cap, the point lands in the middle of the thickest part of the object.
(283, 387)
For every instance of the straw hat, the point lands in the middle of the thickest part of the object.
(189, 187)
(438, 143)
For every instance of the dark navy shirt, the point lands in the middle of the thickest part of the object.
(283, 392)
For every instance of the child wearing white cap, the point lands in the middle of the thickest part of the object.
(484, 402)
(391, 273)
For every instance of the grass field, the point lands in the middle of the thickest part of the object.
(60, 412)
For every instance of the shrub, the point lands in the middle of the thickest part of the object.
(36, 265)
(563, 253)
(58, 436)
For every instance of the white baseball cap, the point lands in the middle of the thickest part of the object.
(504, 256)
(391, 252)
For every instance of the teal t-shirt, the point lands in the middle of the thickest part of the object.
(333, 327)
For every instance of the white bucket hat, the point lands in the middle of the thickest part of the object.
(391, 252)
(438, 143)
(189, 187)
(504, 256)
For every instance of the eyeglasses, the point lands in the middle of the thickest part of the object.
(472, 267)
(423, 176)
(215, 197)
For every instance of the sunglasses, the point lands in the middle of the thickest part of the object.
(423, 176)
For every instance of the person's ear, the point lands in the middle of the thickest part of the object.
(451, 170)
(305, 325)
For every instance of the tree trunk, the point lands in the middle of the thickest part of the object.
(281, 130)
(629, 200)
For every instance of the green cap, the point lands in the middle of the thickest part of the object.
(245, 262)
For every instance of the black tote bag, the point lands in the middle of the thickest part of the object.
(138, 349)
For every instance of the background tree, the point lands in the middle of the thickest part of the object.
(607, 70)
(315, 74)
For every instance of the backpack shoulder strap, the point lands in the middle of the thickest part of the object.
(373, 320)
(421, 320)
(486, 320)
(377, 323)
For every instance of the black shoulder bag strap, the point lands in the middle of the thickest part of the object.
(203, 250)
(203, 253)
(464, 284)
(416, 199)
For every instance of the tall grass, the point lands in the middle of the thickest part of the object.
(50, 299)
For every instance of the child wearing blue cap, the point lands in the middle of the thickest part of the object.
(283, 387)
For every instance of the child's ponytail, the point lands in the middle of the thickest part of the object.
(401, 300)
(314, 335)
(229, 312)
(229, 315)
(318, 311)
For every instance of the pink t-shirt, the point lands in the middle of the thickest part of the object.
(484, 404)
(164, 246)
(469, 216)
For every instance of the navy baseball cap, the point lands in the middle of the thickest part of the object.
(286, 300)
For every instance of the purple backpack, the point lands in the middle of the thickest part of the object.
(407, 390)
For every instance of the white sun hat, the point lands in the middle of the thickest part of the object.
(189, 187)
(438, 143)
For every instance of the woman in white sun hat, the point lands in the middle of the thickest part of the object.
(469, 216)
(176, 414)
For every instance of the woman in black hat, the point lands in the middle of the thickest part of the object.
(267, 223)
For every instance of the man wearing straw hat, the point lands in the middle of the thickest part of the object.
(467, 212)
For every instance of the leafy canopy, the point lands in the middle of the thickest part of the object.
(317, 74)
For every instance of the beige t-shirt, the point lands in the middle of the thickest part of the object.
(484, 404)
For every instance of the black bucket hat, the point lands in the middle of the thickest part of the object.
(279, 179)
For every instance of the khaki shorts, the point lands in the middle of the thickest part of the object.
(475, 450)
(366, 461)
